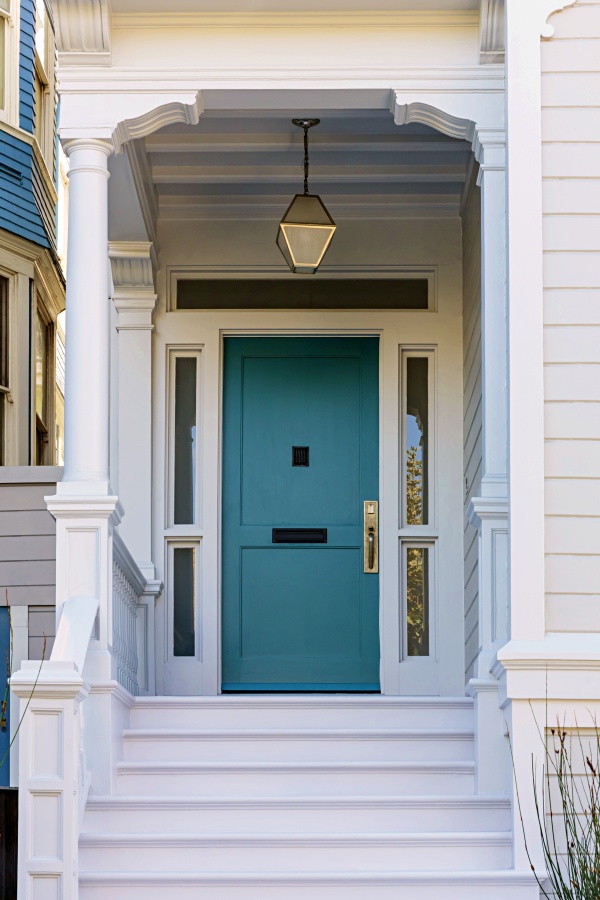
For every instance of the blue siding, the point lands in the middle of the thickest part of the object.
(26, 66)
(5, 733)
(19, 213)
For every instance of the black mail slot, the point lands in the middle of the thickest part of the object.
(299, 535)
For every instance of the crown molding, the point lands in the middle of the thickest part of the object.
(549, 7)
(82, 30)
(491, 32)
(311, 19)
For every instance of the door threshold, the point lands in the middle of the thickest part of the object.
(233, 688)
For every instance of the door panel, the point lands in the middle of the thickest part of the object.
(299, 616)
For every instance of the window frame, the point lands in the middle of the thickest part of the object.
(428, 353)
(433, 604)
(175, 353)
(172, 544)
(9, 105)
(39, 427)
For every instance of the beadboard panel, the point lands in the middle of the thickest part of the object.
(472, 411)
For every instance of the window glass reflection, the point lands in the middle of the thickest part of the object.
(185, 441)
(417, 441)
(417, 601)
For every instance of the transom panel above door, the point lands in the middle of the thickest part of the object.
(300, 458)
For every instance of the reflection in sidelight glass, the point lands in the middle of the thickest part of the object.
(185, 441)
(184, 602)
(417, 601)
(417, 440)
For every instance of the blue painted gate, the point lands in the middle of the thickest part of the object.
(300, 457)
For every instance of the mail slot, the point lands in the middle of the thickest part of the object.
(299, 535)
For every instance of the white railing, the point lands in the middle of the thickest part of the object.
(100, 653)
(127, 587)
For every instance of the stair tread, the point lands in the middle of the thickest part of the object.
(301, 765)
(297, 734)
(441, 877)
(305, 838)
(433, 800)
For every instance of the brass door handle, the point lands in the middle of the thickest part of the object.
(371, 537)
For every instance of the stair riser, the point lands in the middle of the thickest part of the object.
(308, 750)
(355, 857)
(318, 716)
(298, 784)
(293, 819)
(349, 891)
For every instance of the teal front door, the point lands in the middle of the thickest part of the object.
(301, 457)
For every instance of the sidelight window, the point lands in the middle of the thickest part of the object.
(184, 450)
(418, 533)
(182, 565)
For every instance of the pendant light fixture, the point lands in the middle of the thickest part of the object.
(306, 230)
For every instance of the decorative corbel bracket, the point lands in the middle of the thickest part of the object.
(134, 294)
(548, 8)
(149, 122)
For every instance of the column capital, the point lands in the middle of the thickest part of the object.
(88, 155)
(134, 296)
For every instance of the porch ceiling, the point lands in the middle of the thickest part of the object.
(249, 166)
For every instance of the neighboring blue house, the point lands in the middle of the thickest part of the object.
(32, 296)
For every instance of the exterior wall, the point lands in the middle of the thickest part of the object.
(19, 211)
(472, 398)
(571, 204)
(28, 542)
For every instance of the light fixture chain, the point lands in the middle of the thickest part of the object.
(306, 160)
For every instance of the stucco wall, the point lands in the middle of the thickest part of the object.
(471, 225)
(571, 169)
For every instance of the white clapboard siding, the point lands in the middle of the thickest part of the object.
(472, 459)
(563, 307)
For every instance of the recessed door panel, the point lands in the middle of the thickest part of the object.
(300, 458)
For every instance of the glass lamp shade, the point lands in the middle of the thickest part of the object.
(305, 233)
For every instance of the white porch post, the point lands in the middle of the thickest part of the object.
(489, 511)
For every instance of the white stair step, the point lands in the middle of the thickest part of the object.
(314, 852)
(278, 711)
(293, 779)
(322, 745)
(289, 814)
(495, 885)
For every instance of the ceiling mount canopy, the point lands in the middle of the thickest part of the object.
(306, 229)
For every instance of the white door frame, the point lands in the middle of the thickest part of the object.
(437, 329)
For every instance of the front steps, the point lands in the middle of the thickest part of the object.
(306, 797)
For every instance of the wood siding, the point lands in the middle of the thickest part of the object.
(19, 212)
(26, 65)
(571, 170)
(27, 538)
(471, 221)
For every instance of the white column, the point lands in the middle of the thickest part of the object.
(87, 325)
(489, 512)
(134, 299)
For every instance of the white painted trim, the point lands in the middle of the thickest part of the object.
(452, 18)
(168, 114)
(233, 272)
(491, 31)
(549, 7)
(525, 316)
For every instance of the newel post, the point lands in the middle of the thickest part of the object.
(50, 786)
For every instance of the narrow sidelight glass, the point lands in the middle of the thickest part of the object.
(417, 440)
(185, 441)
(417, 601)
(184, 601)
